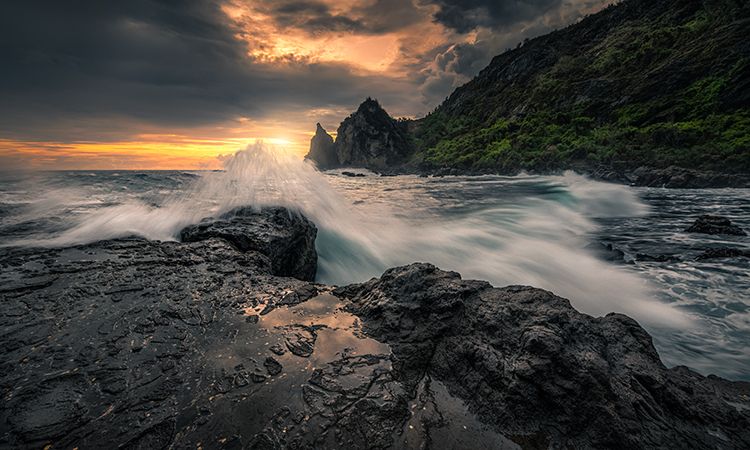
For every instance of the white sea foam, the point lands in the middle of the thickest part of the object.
(540, 243)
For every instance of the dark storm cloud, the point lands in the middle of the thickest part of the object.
(97, 70)
(498, 26)
(314, 17)
(66, 64)
(466, 15)
(377, 17)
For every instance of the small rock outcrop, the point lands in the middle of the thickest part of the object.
(368, 138)
(720, 253)
(539, 371)
(709, 224)
(286, 238)
(322, 149)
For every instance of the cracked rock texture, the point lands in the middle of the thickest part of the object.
(137, 344)
(542, 373)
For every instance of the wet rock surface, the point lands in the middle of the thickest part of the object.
(709, 224)
(542, 373)
(719, 253)
(138, 344)
(123, 343)
(286, 238)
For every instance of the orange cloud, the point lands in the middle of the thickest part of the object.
(287, 43)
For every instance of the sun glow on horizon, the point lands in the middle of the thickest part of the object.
(149, 152)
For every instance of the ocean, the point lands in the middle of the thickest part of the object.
(605, 247)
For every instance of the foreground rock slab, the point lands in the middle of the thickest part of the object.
(542, 373)
(139, 344)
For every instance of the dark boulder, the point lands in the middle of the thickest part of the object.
(538, 370)
(719, 253)
(708, 224)
(352, 174)
(286, 238)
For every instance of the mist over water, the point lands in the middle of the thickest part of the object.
(528, 230)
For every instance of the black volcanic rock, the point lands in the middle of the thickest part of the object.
(534, 368)
(719, 253)
(708, 224)
(139, 344)
(322, 149)
(286, 238)
(127, 343)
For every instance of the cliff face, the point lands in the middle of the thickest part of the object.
(368, 138)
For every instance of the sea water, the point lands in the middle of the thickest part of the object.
(551, 232)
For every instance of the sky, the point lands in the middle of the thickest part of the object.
(181, 84)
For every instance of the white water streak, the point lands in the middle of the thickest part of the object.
(541, 243)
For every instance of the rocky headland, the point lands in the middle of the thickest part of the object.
(223, 340)
(649, 93)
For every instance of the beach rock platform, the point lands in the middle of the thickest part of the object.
(224, 341)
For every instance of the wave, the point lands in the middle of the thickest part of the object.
(540, 242)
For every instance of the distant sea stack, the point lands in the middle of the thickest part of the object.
(322, 149)
(368, 138)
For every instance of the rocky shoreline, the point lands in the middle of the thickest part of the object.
(224, 340)
(671, 177)
(371, 139)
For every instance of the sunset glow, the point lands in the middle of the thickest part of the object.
(137, 90)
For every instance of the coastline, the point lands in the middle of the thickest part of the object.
(671, 177)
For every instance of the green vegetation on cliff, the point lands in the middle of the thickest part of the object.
(656, 83)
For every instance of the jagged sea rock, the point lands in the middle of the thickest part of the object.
(286, 238)
(371, 138)
(368, 138)
(322, 149)
(719, 253)
(352, 174)
(710, 224)
(539, 371)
